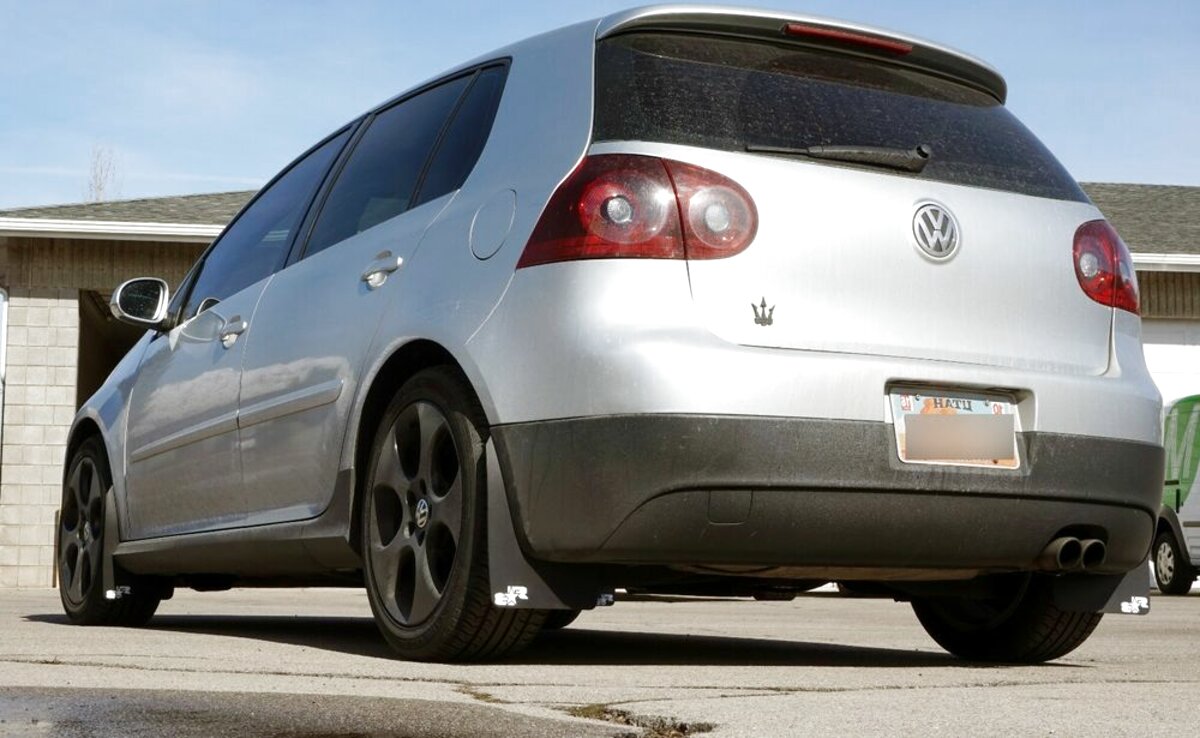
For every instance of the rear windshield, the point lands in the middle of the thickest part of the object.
(726, 93)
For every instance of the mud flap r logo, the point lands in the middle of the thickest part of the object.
(509, 597)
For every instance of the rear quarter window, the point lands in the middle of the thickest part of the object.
(383, 170)
(726, 93)
(463, 141)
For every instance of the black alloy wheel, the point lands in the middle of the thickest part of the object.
(81, 534)
(417, 505)
(424, 528)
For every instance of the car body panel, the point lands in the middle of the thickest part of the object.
(303, 365)
(639, 346)
(184, 465)
(620, 338)
(836, 281)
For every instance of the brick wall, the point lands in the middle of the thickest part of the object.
(43, 279)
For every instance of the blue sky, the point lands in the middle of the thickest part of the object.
(209, 96)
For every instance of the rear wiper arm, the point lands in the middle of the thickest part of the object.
(906, 160)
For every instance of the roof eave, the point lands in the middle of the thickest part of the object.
(1149, 262)
(109, 230)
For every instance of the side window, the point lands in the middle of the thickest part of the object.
(467, 133)
(381, 173)
(257, 242)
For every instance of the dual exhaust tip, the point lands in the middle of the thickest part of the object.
(1068, 553)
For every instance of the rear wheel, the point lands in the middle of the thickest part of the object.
(1020, 624)
(424, 533)
(81, 530)
(1172, 573)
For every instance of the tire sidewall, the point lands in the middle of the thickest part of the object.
(1018, 636)
(1182, 572)
(445, 390)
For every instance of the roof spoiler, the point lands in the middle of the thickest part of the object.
(825, 33)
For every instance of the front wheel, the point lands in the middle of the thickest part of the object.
(424, 533)
(1019, 624)
(1172, 573)
(81, 530)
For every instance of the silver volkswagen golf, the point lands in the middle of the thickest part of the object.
(684, 300)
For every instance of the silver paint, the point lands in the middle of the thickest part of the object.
(202, 437)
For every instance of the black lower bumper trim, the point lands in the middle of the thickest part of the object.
(713, 490)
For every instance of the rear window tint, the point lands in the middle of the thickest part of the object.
(726, 93)
(463, 140)
(381, 173)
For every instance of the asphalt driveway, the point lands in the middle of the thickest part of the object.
(310, 663)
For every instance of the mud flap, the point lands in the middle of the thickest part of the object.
(116, 582)
(113, 589)
(518, 582)
(1125, 594)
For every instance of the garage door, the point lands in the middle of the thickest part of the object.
(1173, 356)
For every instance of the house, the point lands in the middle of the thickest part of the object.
(58, 266)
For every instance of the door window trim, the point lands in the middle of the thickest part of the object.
(192, 276)
(299, 249)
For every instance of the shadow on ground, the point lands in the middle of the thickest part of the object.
(581, 646)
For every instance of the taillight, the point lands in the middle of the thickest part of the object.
(623, 206)
(1104, 267)
(838, 35)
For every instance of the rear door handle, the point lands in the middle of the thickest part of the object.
(233, 328)
(378, 270)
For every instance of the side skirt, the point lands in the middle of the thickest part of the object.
(316, 546)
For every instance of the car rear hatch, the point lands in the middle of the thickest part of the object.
(964, 255)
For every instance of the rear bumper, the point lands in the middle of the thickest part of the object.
(694, 490)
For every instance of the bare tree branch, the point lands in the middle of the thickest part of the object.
(102, 176)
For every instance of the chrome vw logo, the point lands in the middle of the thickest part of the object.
(422, 513)
(936, 231)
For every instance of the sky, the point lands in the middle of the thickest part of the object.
(192, 96)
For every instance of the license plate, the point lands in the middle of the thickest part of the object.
(955, 429)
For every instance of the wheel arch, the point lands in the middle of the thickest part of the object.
(1168, 521)
(390, 374)
(84, 428)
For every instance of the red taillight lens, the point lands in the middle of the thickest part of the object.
(719, 218)
(1104, 267)
(838, 35)
(622, 206)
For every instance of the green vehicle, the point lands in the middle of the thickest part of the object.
(1177, 543)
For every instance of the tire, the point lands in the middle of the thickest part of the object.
(1172, 572)
(1020, 625)
(559, 619)
(424, 528)
(80, 548)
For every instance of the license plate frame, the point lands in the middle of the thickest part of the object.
(947, 427)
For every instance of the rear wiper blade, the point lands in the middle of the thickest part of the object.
(906, 160)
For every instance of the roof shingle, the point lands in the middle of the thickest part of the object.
(1152, 219)
(217, 208)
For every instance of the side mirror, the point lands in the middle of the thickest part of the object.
(141, 302)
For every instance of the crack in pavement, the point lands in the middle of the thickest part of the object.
(480, 686)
